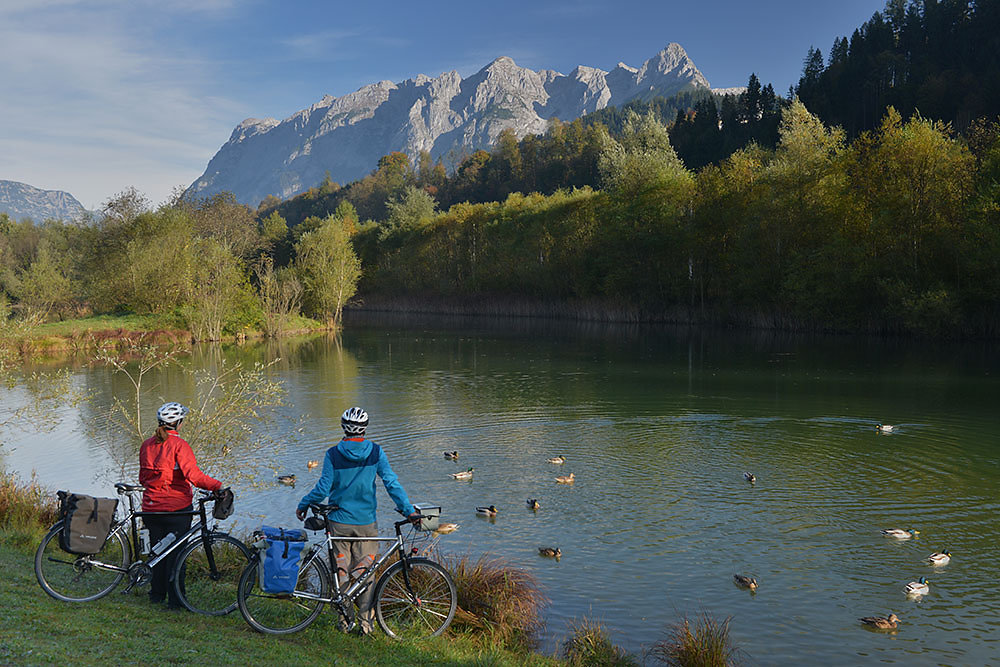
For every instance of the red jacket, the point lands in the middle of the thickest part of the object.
(168, 469)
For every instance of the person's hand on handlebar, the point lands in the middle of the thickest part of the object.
(415, 518)
(300, 514)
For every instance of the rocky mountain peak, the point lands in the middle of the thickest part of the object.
(347, 135)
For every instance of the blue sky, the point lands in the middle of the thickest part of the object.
(99, 95)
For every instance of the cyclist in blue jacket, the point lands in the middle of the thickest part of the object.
(348, 480)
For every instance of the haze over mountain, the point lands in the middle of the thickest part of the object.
(20, 200)
(346, 136)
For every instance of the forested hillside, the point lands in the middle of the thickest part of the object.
(940, 58)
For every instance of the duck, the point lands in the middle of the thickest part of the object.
(287, 479)
(565, 479)
(918, 587)
(465, 474)
(533, 504)
(881, 622)
(557, 460)
(445, 528)
(550, 552)
(226, 450)
(900, 534)
(750, 477)
(312, 464)
(487, 511)
(885, 428)
(939, 557)
(451, 456)
(744, 581)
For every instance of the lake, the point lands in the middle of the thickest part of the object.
(658, 426)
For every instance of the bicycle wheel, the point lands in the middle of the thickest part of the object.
(74, 578)
(201, 588)
(282, 614)
(424, 608)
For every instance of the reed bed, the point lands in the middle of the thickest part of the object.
(590, 644)
(703, 642)
(26, 509)
(496, 600)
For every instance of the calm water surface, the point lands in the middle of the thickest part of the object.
(658, 427)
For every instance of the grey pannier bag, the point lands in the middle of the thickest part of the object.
(86, 522)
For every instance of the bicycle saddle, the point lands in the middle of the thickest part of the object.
(122, 487)
(324, 509)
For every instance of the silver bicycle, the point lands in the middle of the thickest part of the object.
(414, 597)
(205, 575)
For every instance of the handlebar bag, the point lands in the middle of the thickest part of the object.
(223, 507)
(86, 522)
(279, 559)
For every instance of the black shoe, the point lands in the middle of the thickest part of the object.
(157, 598)
(175, 606)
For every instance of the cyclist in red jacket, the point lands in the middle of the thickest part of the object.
(167, 469)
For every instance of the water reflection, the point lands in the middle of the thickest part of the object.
(658, 426)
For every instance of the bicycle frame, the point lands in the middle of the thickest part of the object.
(131, 525)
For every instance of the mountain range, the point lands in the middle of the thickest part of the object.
(446, 116)
(20, 200)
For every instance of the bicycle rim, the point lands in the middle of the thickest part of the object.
(424, 608)
(74, 578)
(283, 614)
(202, 589)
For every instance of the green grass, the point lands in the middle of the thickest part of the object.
(123, 629)
(127, 629)
(129, 322)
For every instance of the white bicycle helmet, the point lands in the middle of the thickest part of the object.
(354, 421)
(171, 413)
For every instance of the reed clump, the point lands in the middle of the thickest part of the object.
(26, 509)
(496, 600)
(703, 642)
(590, 644)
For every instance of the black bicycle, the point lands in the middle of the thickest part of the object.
(414, 597)
(205, 575)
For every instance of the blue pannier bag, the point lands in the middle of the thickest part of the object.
(279, 559)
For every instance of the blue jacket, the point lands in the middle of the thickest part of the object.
(348, 480)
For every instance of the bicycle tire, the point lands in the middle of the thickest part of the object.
(282, 614)
(423, 609)
(195, 585)
(74, 578)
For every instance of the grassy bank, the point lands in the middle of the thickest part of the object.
(127, 629)
(99, 330)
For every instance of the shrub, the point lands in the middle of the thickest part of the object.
(590, 644)
(495, 597)
(26, 510)
(704, 642)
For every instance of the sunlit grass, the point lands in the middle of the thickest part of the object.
(703, 642)
(590, 644)
(26, 509)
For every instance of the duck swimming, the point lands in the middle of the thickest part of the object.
(900, 534)
(287, 479)
(487, 511)
(917, 588)
(550, 552)
(744, 581)
(750, 477)
(312, 464)
(533, 504)
(445, 528)
(451, 456)
(565, 479)
(939, 558)
(558, 460)
(465, 474)
(881, 622)
(885, 428)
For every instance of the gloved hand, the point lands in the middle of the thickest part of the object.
(300, 515)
